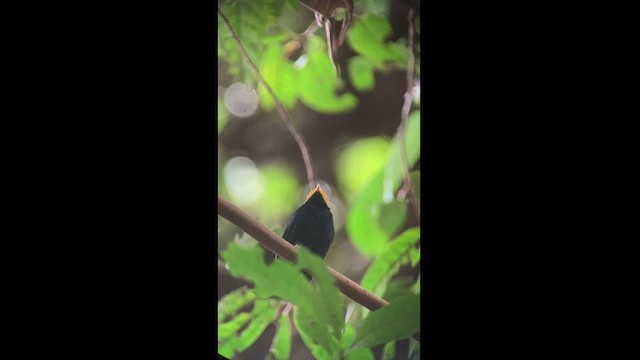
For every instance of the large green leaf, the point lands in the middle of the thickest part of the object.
(318, 85)
(398, 320)
(318, 314)
(363, 219)
(281, 348)
(261, 316)
(280, 75)
(392, 255)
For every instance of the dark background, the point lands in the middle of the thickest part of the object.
(117, 181)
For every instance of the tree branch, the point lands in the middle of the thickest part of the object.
(404, 116)
(285, 250)
(297, 136)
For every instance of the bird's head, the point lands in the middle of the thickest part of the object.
(318, 196)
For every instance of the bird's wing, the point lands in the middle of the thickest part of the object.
(288, 228)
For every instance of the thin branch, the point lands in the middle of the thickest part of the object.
(297, 136)
(283, 249)
(404, 118)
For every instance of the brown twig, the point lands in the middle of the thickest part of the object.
(297, 136)
(283, 249)
(404, 118)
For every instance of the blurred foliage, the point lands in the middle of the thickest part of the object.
(396, 253)
(363, 220)
(366, 155)
(378, 230)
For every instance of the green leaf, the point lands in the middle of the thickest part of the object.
(398, 320)
(389, 351)
(348, 336)
(250, 20)
(361, 72)
(392, 216)
(414, 255)
(360, 354)
(398, 287)
(360, 162)
(280, 75)
(416, 286)
(234, 301)
(319, 312)
(262, 314)
(318, 84)
(378, 7)
(281, 347)
(391, 256)
(228, 329)
(363, 218)
(280, 182)
(367, 35)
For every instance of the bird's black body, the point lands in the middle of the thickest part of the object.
(311, 225)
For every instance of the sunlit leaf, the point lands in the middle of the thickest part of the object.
(367, 35)
(398, 320)
(318, 84)
(281, 184)
(358, 163)
(280, 75)
(361, 72)
(414, 255)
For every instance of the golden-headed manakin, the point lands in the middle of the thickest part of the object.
(311, 225)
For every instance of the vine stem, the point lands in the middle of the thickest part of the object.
(282, 111)
(404, 118)
(283, 249)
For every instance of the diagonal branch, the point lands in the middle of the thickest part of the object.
(282, 248)
(297, 136)
(404, 116)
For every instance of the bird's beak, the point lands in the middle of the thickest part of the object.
(324, 196)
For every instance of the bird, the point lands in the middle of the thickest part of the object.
(311, 225)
